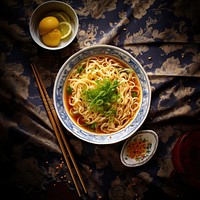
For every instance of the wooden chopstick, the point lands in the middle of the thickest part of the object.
(58, 131)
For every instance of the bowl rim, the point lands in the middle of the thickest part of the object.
(139, 163)
(105, 138)
(177, 158)
(76, 20)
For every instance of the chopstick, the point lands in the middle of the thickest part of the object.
(58, 131)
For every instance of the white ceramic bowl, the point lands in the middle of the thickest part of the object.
(59, 102)
(133, 153)
(43, 10)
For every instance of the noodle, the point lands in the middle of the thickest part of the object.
(102, 94)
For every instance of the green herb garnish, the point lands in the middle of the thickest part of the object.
(69, 90)
(102, 97)
(80, 68)
(134, 94)
(93, 126)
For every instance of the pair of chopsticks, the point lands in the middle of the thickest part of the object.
(65, 148)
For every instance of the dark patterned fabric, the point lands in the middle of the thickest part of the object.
(164, 35)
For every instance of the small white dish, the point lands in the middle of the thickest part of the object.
(45, 9)
(139, 148)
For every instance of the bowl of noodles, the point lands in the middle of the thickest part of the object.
(102, 94)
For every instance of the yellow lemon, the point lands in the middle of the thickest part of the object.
(65, 29)
(52, 38)
(61, 16)
(48, 24)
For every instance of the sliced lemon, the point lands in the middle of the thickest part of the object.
(65, 29)
(61, 16)
(64, 15)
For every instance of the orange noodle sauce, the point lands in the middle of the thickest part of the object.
(139, 148)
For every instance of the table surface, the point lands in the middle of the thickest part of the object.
(163, 36)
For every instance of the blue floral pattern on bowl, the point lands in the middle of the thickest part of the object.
(101, 138)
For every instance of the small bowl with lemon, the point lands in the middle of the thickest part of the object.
(53, 25)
